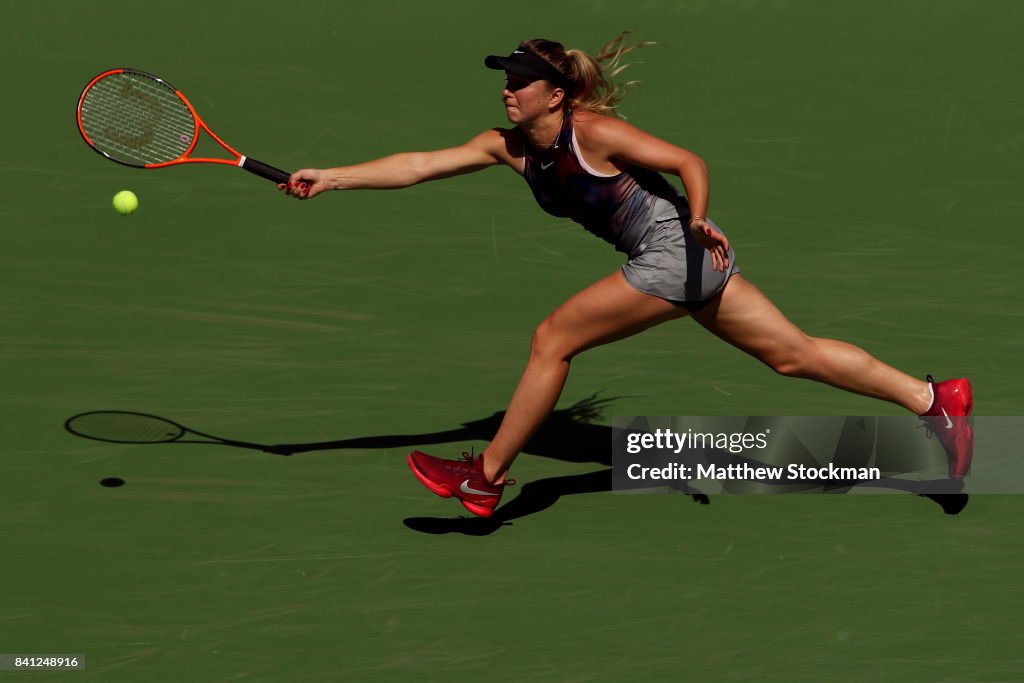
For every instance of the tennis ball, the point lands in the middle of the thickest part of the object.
(125, 202)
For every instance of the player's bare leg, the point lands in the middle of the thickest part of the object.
(747, 319)
(607, 311)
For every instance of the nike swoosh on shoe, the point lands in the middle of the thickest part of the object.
(466, 488)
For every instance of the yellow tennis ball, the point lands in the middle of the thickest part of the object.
(125, 202)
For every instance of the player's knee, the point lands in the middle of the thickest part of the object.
(792, 361)
(788, 366)
(549, 342)
(544, 338)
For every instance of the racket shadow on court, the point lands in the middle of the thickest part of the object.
(568, 434)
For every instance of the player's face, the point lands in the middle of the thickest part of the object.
(525, 99)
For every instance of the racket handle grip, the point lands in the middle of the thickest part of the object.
(265, 170)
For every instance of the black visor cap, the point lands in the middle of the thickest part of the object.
(525, 62)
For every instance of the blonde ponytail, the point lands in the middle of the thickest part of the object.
(592, 85)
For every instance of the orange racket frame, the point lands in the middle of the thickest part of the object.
(249, 164)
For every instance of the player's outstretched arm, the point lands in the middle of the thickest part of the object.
(401, 170)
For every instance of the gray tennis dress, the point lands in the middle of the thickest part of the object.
(637, 211)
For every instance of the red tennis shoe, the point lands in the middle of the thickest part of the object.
(947, 419)
(463, 478)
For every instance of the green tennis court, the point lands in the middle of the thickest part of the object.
(865, 160)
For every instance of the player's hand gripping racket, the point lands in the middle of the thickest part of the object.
(118, 426)
(137, 119)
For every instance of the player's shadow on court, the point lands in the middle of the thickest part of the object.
(569, 435)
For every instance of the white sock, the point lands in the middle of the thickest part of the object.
(932, 392)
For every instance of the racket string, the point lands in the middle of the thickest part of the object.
(125, 427)
(137, 119)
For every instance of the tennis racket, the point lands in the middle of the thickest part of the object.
(118, 426)
(137, 119)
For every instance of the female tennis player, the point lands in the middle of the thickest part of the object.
(584, 163)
